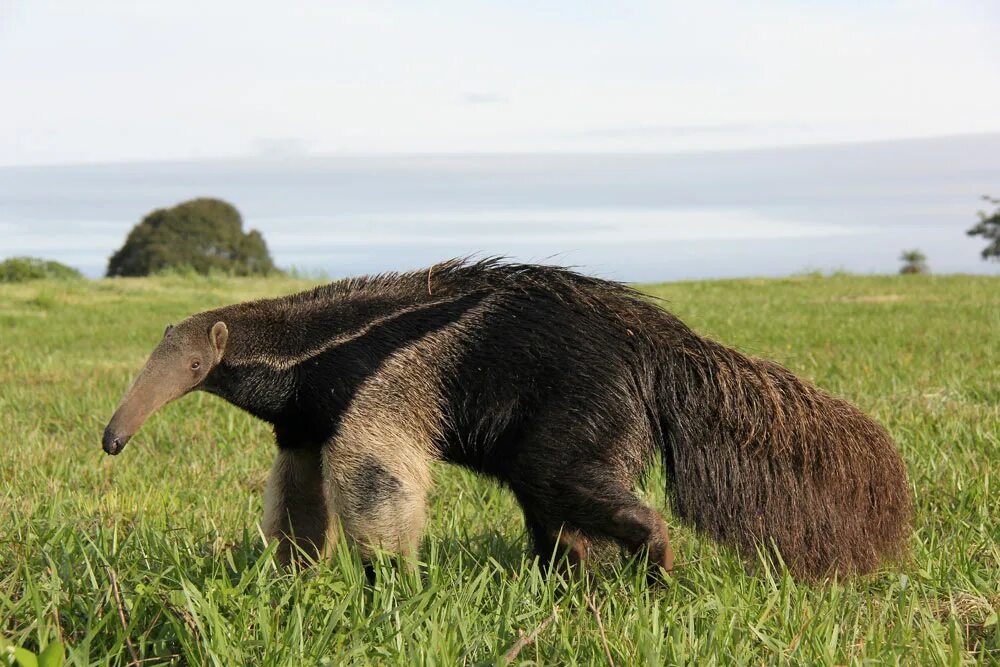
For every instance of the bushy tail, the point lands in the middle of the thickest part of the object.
(758, 458)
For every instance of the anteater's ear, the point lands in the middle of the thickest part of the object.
(219, 335)
(170, 327)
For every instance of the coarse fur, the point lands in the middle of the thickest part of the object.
(563, 387)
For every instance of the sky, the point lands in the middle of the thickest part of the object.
(98, 81)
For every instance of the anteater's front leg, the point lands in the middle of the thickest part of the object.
(380, 497)
(295, 511)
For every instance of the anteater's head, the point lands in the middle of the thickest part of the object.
(179, 364)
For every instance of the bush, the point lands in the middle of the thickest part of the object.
(202, 235)
(20, 269)
(913, 261)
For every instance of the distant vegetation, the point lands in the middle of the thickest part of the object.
(201, 235)
(989, 228)
(913, 261)
(20, 269)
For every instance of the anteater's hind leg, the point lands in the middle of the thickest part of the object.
(606, 507)
(592, 503)
(642, 530)
(295, 511)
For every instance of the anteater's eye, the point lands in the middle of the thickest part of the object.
(195, 365)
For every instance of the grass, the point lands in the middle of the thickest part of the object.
(156, 555)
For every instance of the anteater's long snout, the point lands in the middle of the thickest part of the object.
(163, 379)
(112, 442)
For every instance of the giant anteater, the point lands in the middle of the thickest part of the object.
(561, 386)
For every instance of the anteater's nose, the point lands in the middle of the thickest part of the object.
(112, 442)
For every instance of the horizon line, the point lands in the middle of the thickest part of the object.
(306, 155)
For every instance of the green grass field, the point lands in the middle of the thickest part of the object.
(155, 555)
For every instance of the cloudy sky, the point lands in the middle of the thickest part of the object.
(101, 81)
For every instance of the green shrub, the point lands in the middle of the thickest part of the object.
(20, 269)
(201, 235)
(913, 261)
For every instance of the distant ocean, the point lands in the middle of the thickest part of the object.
(643, 217)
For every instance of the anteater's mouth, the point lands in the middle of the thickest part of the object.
(113, 443)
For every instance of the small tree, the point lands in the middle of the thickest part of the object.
(989, 228)
(914, 261)
(202, 234)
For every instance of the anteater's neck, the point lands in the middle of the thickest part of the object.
(261, 370)
(297, 363)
